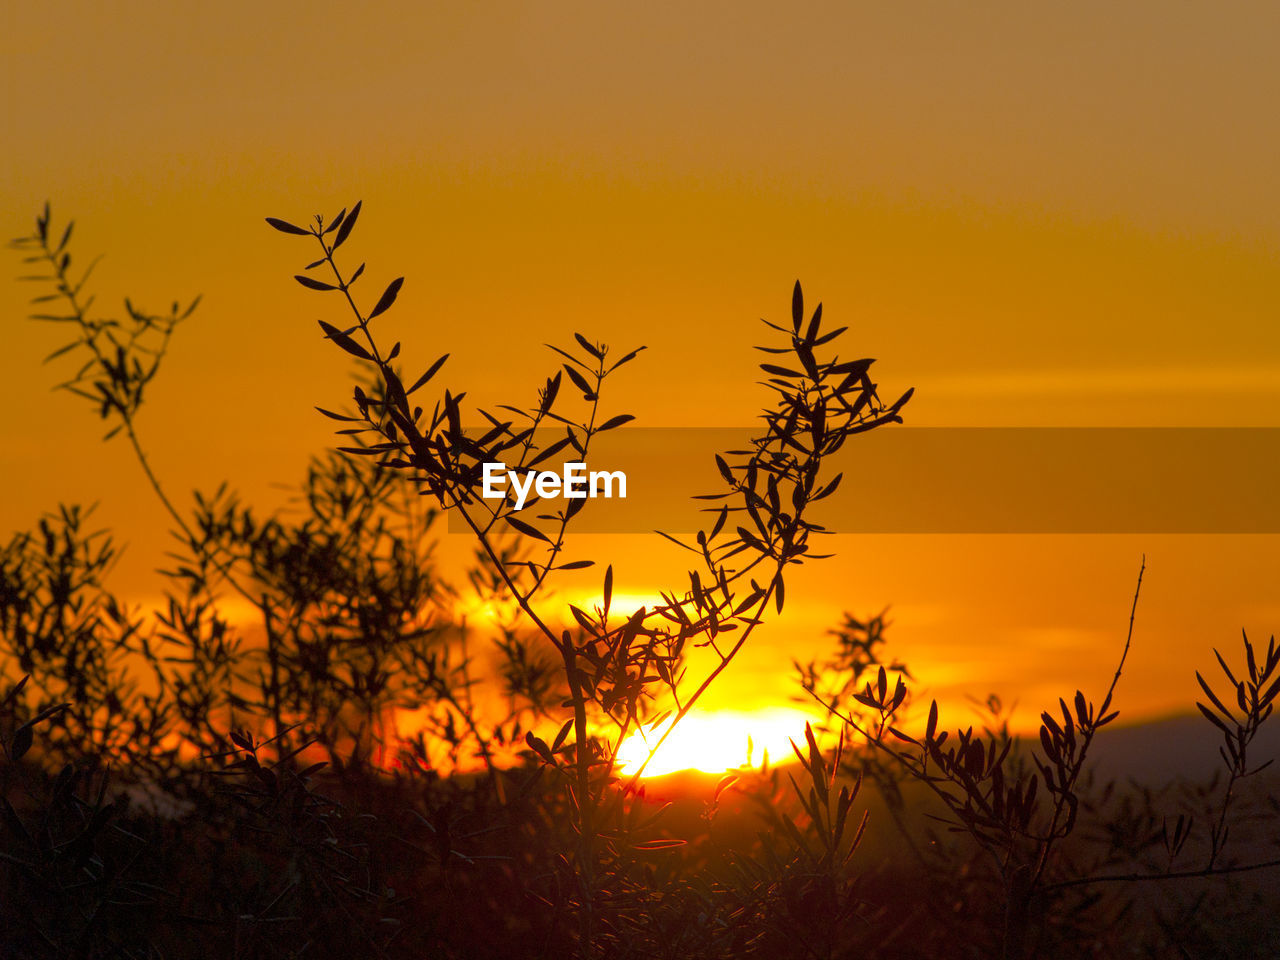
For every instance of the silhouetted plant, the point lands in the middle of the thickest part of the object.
(1017, 806)
(607, 666)
(262, 803)
(118, 357)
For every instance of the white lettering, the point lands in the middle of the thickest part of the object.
(521, 491)
(575, 480)
(575, 484)
(547, 484)
(494, 473)
(608, 478)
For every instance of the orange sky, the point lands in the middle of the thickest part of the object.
(1033, 214)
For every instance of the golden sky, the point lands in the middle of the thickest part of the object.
(1034, 214)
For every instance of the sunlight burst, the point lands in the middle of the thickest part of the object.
(716, 741)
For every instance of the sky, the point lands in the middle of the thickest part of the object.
(1034, 214)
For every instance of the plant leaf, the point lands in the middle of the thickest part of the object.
(527, 529)
(431, 372)
(314, 284)
(612, 422)
(388, 297)
(285, 227)
(344, 341)
(347, 224)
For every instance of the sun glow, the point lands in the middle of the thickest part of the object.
(716, 741)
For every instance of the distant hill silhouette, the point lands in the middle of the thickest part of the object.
(1184, 746)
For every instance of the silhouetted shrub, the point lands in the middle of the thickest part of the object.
(178, 782)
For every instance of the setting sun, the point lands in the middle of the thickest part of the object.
(716, 741)
(618, 480)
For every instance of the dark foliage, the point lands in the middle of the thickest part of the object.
(179, 782)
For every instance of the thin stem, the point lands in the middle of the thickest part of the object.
(1043, 859)
(159, 490)
(1218, 836)
(920, 774)
(89, 334)
(564, 516)
(1179, 875)
(702, 687)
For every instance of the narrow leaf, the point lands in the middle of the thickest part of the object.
(617, 421)
(388, 297)
(314, 284)
(336, 222)
(431, 372)
(347, 224)
(588, 346)
(527, 529)
(286, 227)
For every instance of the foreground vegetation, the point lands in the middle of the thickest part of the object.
(176, 784)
